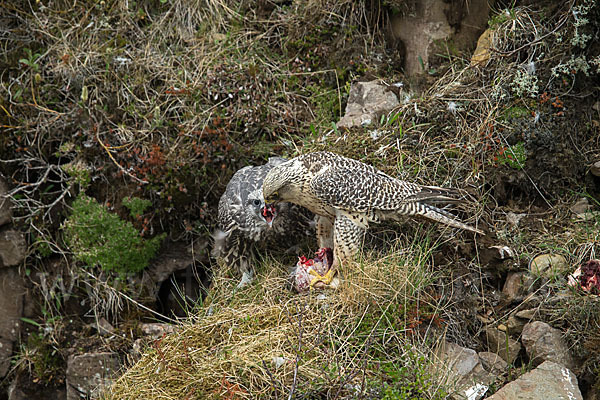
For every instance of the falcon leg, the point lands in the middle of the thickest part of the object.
(324, 232)
(247, 273)
(347, 239)
(239, 257)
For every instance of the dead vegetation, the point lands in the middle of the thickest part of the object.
(165, 100)
(265, 341)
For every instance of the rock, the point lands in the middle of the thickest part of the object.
(428, 26)
(156, 330)
(482, 53)
(175, 257)
(515, 325)
(90, 374)
(464, 367)
(492, 363)
(548, 381)
(581, 206)
(11, 303)
(418, 31)
(548, 265)
(513, 286)
(22, 388)
(104, 327)
(595, 168)
(526, 314)
(544, 343)
(13, 248)
(6, 349)
(506, 347)
(495, 254)
(5, 204)
(367, 101)
(589, 216)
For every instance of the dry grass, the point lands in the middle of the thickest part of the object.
(266, 341)
(164, 100)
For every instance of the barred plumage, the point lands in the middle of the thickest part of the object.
(347, 194)
(242, 224)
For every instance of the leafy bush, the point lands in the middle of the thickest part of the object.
(413, 379)
(99, 237)
(513, 156)
(136, 205)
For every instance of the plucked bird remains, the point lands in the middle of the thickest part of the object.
(312, 272)
(347, 195)
(245, 221)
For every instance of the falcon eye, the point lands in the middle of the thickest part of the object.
(256, 202)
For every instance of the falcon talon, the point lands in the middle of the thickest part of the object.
(314, 272)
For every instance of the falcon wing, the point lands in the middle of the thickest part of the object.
(231, 210)
(360, 189)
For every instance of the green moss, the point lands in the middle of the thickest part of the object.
(78, 172)
(515, 112)
(99, 237)
(513, 156)
(136, 205)
(498, 19)
(44, 361)
(411, 379)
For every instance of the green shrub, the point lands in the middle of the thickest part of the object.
(513, 156)
(136, 205)
(99, 237)
(412, 379)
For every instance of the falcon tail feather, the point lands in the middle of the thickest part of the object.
(436, 214)
(435, 194)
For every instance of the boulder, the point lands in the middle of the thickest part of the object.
(595, 168)
(432, 27)
(513, 286)
(548, 381)
(492, 363)
(367, 102)
(548, 265)
(464, 367)
(482, 52)
(502, 344)
(545, 343)
(581, 206)
(13, 248)
(5, 203)
(514, 324)
(11, 303)
(104, 327)
(88, 375)
(527, 314)
(6, 349)
(419, 31)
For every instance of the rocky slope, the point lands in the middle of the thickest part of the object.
(123, 121)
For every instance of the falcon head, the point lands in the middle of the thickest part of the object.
(278, 183)
(259, 215)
